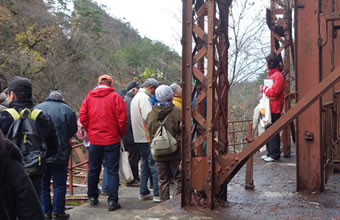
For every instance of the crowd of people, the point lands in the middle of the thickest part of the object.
(106, 119)
(35, 142)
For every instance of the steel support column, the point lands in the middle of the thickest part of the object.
(186, 102)
(205, 42)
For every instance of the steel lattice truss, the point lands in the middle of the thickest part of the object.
(205, 73)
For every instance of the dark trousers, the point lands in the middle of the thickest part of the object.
(109, 153)
(37, 181)
(134, 158)
(166, 169)
(273, 146)
(59, 174)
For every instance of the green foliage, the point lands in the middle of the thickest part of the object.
(150, 73)
(89, 16)
(243, 98)
(154, 59)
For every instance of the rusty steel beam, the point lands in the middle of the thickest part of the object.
(249, 184)
(211, 103)
(186, 102)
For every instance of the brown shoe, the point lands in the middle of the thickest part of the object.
(62, 216)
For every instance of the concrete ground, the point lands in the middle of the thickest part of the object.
(274, 197)
(129, 202)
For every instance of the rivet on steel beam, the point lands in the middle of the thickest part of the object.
(187, 108)
(188, 65)
(188, 21)
(210, 85)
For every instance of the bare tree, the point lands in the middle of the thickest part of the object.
(247, 34)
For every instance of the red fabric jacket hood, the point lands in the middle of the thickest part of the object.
(103, 115)
(276, 92)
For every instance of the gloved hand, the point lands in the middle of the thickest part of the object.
(263, 88)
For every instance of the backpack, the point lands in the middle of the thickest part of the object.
(163, 142)
(25, 133)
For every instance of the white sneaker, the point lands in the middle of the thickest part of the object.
(156, 199)
(264, 157)
(268, 159)
(145, 197)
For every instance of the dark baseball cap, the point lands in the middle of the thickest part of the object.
(132, 85)
(20, 84)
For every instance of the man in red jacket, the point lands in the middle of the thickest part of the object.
(103, 115)
(276, 95)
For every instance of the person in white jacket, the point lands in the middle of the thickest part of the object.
(140, 108)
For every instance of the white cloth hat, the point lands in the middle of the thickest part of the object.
(164, 93)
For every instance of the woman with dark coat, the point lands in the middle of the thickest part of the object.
(18, 199)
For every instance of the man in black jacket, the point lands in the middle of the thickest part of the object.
(18, 199)
(20, 97)
(65, 122)
(129, 143)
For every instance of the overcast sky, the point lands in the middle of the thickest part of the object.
(156, 19)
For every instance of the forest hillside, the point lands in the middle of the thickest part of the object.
(57, 48)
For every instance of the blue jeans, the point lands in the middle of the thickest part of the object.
(148, 167)
(109, 153)
(59, 174)
(105, 184)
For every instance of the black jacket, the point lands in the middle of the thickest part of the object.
(65, 122)
(44, 122)
(128, 137)
(19, 200)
